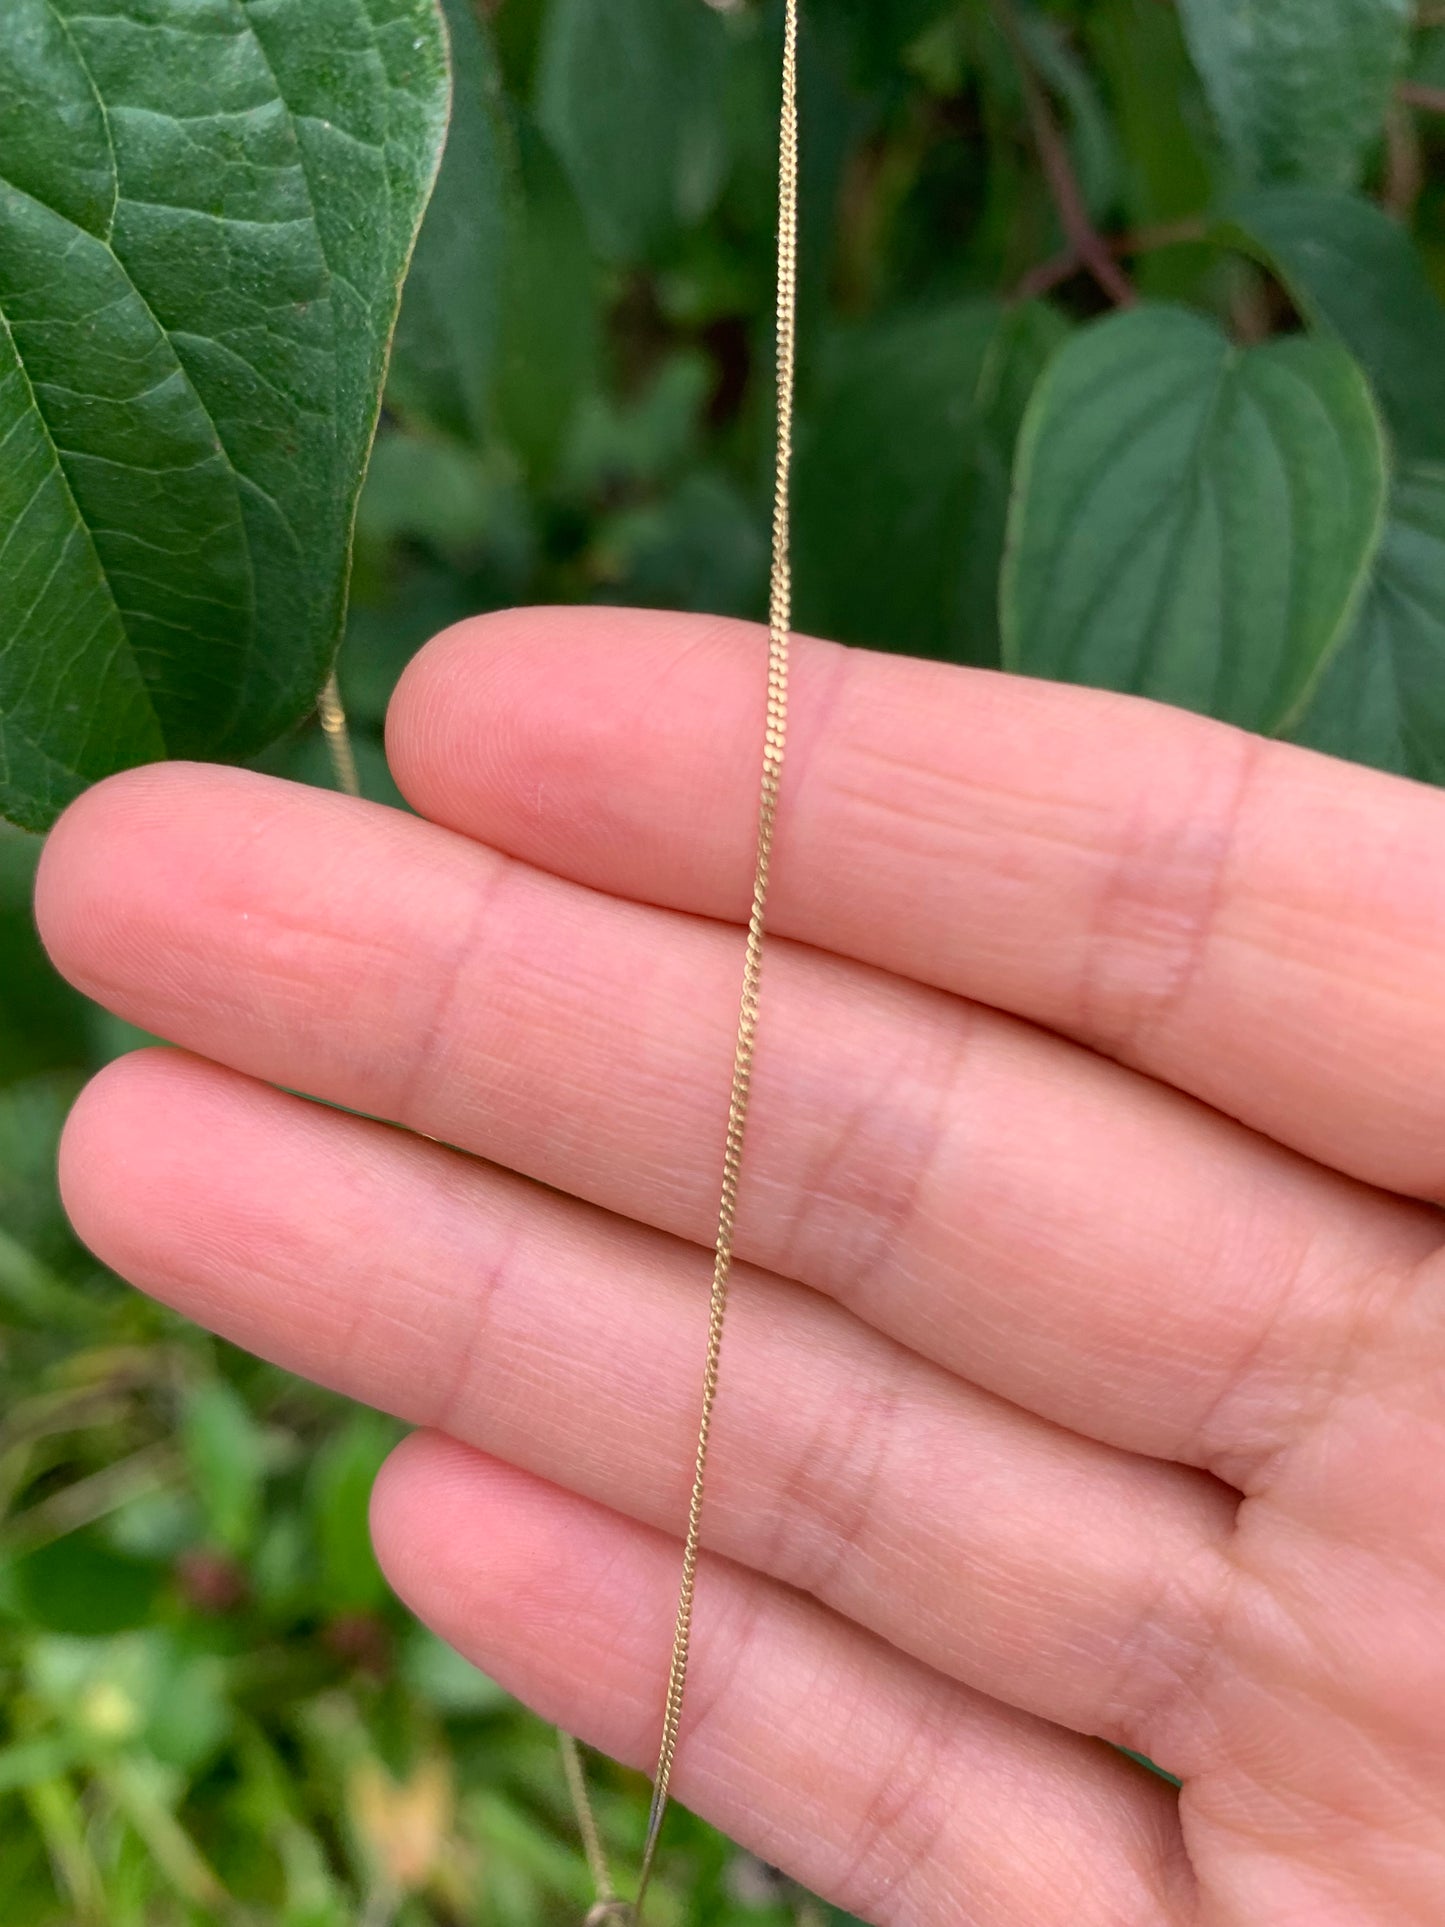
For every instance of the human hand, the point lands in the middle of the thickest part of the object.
(1086, 1375)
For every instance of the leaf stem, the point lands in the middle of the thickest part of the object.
(1415, 93)
(332, 711)
(1087, 246)
(1145, 240)
(1404, 161)
(152, 1468)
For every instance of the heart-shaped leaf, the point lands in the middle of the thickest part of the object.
(1192, 520)
(206, 211)
(1382, 699)
(1352, 270)
(1299, 87)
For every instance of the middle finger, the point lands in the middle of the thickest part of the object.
(1072, 1580)
(1063, 1231)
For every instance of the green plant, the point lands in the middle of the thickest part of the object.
(1123, 361)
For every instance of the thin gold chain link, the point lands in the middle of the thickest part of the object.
(609, 1907)
(774, 743)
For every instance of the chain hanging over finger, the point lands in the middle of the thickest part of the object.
(608, 1906)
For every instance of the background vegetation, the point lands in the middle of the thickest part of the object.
(1124, 360)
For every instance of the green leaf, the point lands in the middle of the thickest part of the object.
(145, 1792)
(1428, 63)
(1191, 520)
(1165, 153)
(339, 1499)
(1159, 1772)
(631, 93)
(1299, 87)
(78, 1585)
(443, 359)
(1382, 699)
(144, 1684)
(902, 479)
(703, 547)
(32, 1113)
(434, 492)
(226, 1455)
(24, 1763)
(1353, 270)
(42, 1020)
(205, 215)
(440, 1677)
(620, 447)
(32, 1294)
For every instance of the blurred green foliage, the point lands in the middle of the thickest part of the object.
(212, 1709)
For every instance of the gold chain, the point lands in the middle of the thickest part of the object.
(779, 625)
(608, 1907)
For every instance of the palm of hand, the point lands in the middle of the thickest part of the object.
(1086, 1376)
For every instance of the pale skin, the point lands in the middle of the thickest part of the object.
(1085, 1379)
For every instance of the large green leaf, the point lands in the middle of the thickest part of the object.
(1382, 699)
(1353, 270)
(903, 475)
(444, 356)
(1191, 520)
(632, 94)
(206, 210)
(1299, 87)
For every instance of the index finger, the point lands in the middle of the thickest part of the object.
(1255, 924)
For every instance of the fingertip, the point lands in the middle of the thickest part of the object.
(458, 1532)
(405, 1489)
(110, 842)
(560, 1601)
(560, 735)
(108, 1148)
(454, 714)
(73, 865)
(101, 1155)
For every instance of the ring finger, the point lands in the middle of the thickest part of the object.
(1065, 1577)
(1079, 1239)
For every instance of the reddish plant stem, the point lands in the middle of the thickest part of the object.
(1121, 247)
(1404, 162)
(1086, 245)
(1415, 93)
